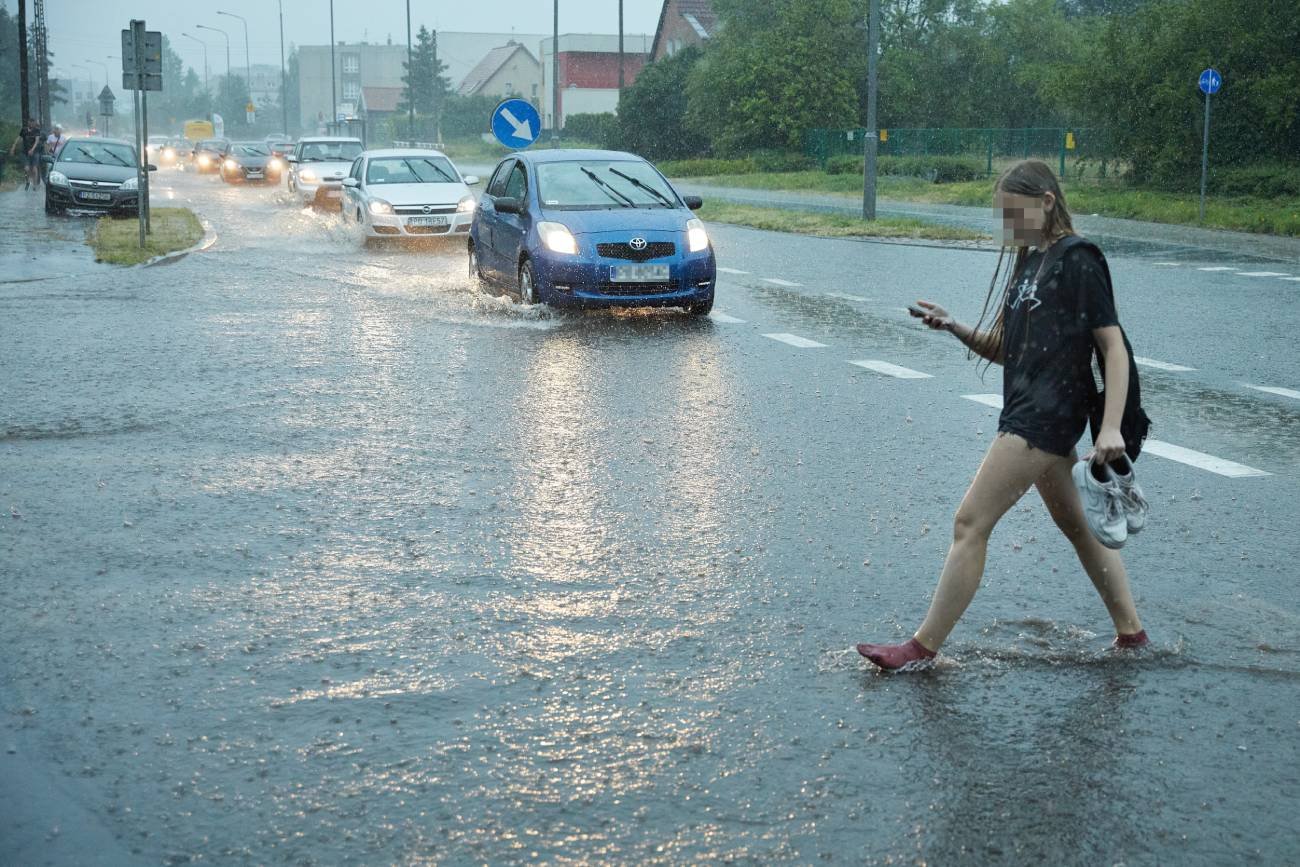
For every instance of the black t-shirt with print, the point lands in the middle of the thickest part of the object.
(1048, 387)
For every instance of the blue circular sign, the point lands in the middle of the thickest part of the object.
(516, 124)
(1210, 81)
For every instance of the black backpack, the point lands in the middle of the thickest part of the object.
(1135, 425)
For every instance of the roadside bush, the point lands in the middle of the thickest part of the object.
(939, 170)
(782, 161)
(1265, 181)
(703, 167)
(599, 129)
(844, 165)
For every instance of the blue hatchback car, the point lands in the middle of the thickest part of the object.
(590, 228)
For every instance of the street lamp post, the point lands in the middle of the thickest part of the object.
(334, 98)
(225, 36)
(100, 63)
(555, 74)
(204, 46)
(284, 78)
(248, 67)
(410, 65)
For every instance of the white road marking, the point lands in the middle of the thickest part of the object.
(891, 369)
(718, 316)
(1263, 274)
(1272, 389)
(1161, 365)
(1200, 460)
(732, 271)
(993, 400)
(1217, 268)
(844, 296)
(1171, 264)
(1292, 279)
(797, 341)
(778, 282)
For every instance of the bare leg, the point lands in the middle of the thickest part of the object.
(1103, 565)
(1008, 470)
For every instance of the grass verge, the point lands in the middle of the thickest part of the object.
(831, 225)
(1239, 213)
(117, 241)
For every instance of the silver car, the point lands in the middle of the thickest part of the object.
(407, 193)
(318, 166)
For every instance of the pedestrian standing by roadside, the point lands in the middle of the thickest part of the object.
(54, 143)
(30, 141)
(1055, 305)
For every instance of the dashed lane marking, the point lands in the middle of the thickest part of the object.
(1169, 264)
(993, 400)
(718, 316)
(844, 296)
(1272, 389)
(1161, 365)
(796, 341)
(891, 369)
(1263, 274)
(732, 271)
(776, 281)
(1217, 268)
(1201, 461)
(1292, 279)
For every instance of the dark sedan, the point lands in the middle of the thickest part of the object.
(250, 161)
(209, 153)
(94, 174)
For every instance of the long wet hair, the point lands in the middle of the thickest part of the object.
(1033, 178)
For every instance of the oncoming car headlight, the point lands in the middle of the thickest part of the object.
(379, 206)
(465, 205)
(205, 160)
(273, 163)
(231, 164)
(558, 238)
(307, 175)
(696, 238)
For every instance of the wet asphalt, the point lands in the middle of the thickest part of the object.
(316, 554)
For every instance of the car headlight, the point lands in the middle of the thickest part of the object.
(379, 206)
(307, 175)
(58, 179)
(231, 164)
(168, 152)
(465, 205)
(558, 238)
(696, 238)
(273, 164)
(204, 160)
(131, 183)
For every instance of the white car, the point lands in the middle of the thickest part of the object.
(317, 167)
(407, 193)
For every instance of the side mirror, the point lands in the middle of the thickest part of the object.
(351, 182)
(150, 167)
(290, 158)
(693, 202)
(471, 180)
(508, 205)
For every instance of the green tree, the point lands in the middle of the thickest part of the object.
(232, 97)
(652, 111)
(425, 83)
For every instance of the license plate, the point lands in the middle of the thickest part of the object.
(95, 197)
(426, 221)
(254, 174)
(638, 273)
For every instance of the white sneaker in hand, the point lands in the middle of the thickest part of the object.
(1102, 502)
(1131, 497)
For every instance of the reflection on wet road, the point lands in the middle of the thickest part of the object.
(316, 554)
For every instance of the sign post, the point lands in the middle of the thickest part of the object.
(871, 143)
(516, 123)
(1209, 84)
(106, 100)
(141, 73)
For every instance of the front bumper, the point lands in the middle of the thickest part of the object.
(73, 197)
(579, 281)
(400, 225)
(321, 194)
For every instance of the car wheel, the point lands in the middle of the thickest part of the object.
(527, 283)
(700, 308)
(475, 271)
(50, 207)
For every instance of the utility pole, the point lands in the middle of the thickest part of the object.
(248, 66)
(334, 99)
(24, 96)
(555, 75)
(41, 36)
(620, 49)
(284, 76)
(436, 84)
(207, 89)
(410, 75)
(873, 135)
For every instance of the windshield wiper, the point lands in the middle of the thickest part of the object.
(649, 189)
(614, 194)
(120, 161)
(90, 156)
(431, 165)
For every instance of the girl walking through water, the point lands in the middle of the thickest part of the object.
(1042, 332)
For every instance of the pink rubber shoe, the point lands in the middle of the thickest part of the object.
(1127, 642)
(911, 656)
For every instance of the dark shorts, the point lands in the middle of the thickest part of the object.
(1060, 444)
(33, 160)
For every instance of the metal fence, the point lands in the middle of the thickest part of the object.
(1059, 144)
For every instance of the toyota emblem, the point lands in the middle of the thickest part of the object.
(637, 243)
(427, 209)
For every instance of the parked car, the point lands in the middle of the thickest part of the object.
(590, 228)
(250, 161)
(317, 167)
(209, 153)
(407, 193)
(100, 174)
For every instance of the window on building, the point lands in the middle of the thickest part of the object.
(352, 64)
(351, 90)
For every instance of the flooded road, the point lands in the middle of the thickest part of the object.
(315, 554)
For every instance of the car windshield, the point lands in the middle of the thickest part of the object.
(330, 150)
(252, 150)
(212, 144)
(99, 152)
(411, 170)
(596, 184)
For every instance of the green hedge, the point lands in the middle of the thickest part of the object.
(940, 170)
(1265, 181)
(706, 167)
(600, 129)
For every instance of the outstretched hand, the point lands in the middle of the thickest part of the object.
(932, 315)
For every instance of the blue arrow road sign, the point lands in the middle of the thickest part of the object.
(1211, 81)
(516, 124)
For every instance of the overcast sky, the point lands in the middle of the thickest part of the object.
(90, 29)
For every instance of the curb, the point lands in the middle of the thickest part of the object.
(209, 238)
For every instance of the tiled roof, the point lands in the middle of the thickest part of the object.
(381, 98)
(698, 14)
(488, 66)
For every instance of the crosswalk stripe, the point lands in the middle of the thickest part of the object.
(891, 369)
(1161, 365)
(719, 316)
(1292, 279)
(844, 296)
(732, 271)
(1272, 389)
(776, 281)
(1263, 274)
(796, 341)
(1217, 268)
(1174, 264)
(1201, 460)
(993, 400)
